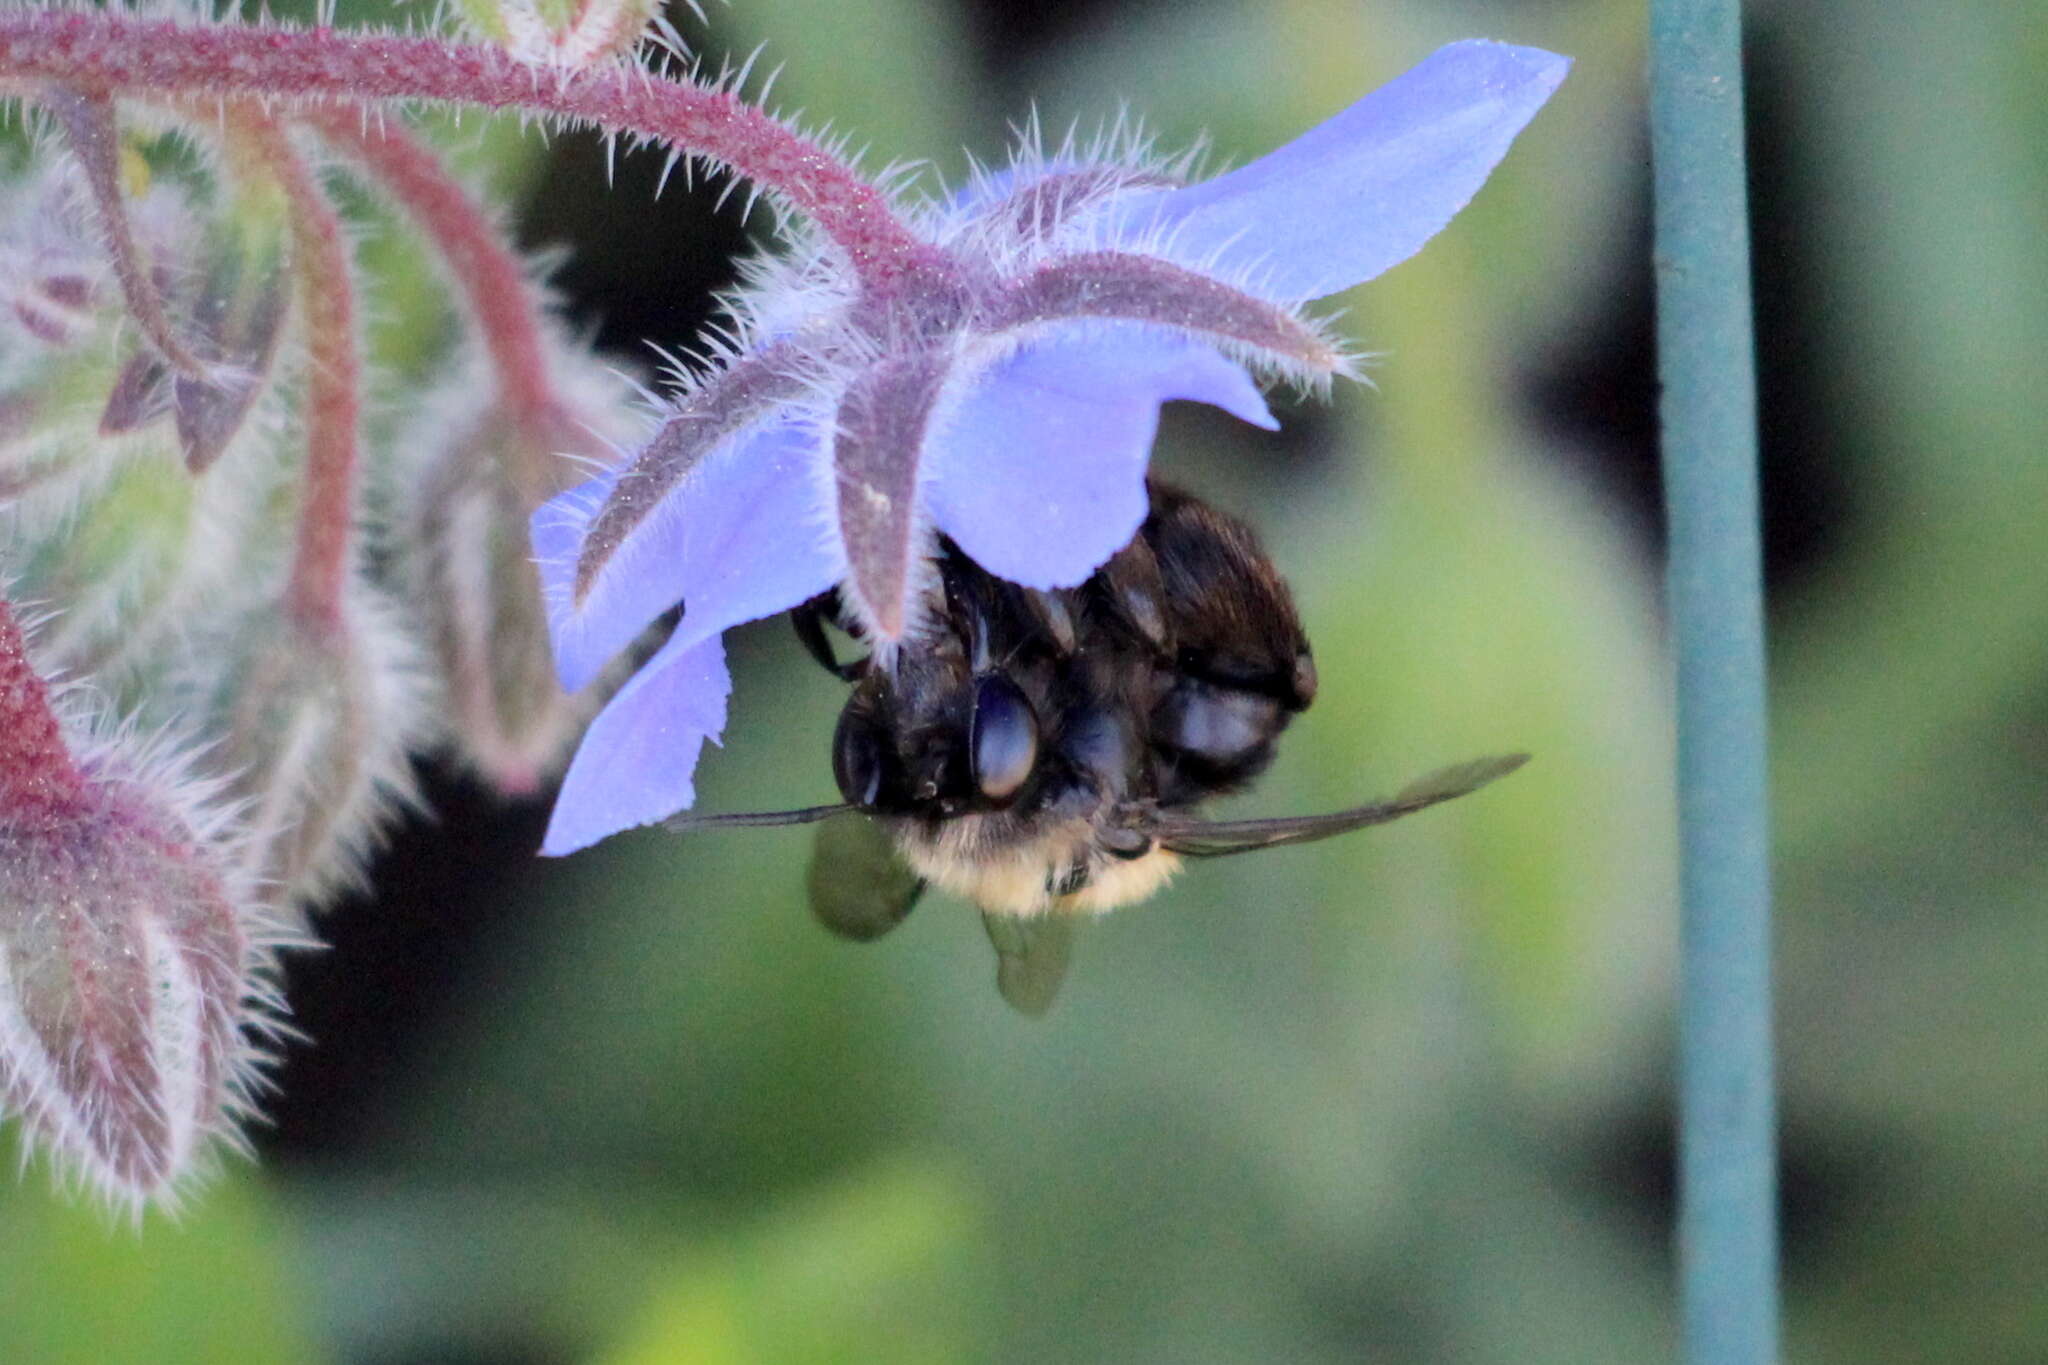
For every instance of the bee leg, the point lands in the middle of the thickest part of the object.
(809, 619)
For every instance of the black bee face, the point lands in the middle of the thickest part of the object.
(1025, 748)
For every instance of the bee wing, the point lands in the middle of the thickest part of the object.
(1031, 957)
(859, 888)
(1219, 838)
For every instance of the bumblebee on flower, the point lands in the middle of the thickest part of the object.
(1001, 388)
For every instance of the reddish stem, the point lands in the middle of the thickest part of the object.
(321, 265)
(485, 270)
(37, 772)
(88, 123)
(119, 54)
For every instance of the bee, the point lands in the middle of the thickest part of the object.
(1044, 754)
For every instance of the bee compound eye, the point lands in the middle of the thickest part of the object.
(1002, 738)
(857, 759)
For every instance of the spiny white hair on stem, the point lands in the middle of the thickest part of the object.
(1121, 150)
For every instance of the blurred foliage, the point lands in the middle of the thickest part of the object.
(1394, 1098)
(222, 1281)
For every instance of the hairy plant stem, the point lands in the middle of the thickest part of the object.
(491, 278)
(37, 771)
(89, 128)
(119, 54)
(487, 273)
(321, 266)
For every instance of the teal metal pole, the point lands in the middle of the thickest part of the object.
(1727, 1179)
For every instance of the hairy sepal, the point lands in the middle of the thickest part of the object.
(1125, 286)
(877, 454)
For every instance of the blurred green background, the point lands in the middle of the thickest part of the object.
(1402, 1097)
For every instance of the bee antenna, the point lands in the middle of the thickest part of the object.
(688, 824)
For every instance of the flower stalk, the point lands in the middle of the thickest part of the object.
(490, 277)
(322, 560)
(88, 123)
(120, 55)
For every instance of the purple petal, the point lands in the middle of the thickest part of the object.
(1364, 191)
(1040, 473)
(745, 534)
(638, 758)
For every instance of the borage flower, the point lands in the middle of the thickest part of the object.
(1004, 392)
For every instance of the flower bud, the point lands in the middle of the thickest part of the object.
(53, 280)
(80, 393)
(143, 562)
(66, 350)
(565, 33)
(125, 965)
(315, 735)
(483, 466)
(143, 556)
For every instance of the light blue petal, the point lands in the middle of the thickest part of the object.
(638, 758)
(1039, 474)
(744, 535)
(1364, 191)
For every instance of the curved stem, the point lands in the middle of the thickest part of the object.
(321, 264)
(88, 124)
(119, 54)
(487, 272)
